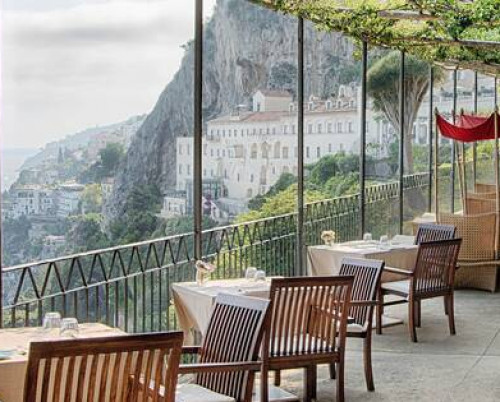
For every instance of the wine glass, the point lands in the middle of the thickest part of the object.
(250, 273)
(367, 237)
(260, 276)
(51, 322)
(69, 328)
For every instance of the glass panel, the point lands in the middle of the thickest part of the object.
(250, 140)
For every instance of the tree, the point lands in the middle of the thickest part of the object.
(92, 198)
(383, 87)
(283, 182)
(111, 156)
(86, 234)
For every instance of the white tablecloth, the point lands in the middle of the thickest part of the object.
(326, 260)
(193, 303)
(13, 370)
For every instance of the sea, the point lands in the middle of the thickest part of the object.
(11, 160)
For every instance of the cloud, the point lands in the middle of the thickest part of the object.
(65, 69)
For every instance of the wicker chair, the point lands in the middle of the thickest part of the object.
(477, 205)
(477, 263)
(103, 369)
(432, 277)
(308, 327)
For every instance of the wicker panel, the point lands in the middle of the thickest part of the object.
(485, 196)
(477, 205)
(478, 234)
(485, 188)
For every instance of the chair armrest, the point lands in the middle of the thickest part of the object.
(191, 350)
(398, 271)
(363, 303)
(219, 367)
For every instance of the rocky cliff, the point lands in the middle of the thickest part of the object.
(246, 47)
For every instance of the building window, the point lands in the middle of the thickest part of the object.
(293, 129)
(188, 170)
(285, 152)
(310, 128)
(229, 133)
(251, 178)
(277, 148)
(180, 169)
(339, 127)
(261, 131)
(225, 173)
(295, 152)
(320, 128)
(218, 153)
(204, 172)
(307, 152)
(180, 149)
(211, 172)
(351, 128)
(285, 129)
(268, 131)
(274, 130)
(212, 152)
(329, 128)
(253, 152)
(189, 149)
(223, 153)
(238, 177)
(329, 148)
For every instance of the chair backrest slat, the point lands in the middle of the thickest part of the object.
(234, 334)
(307, 314)
(367, 274)
(435, 267)
(432, 231)
(101, 368)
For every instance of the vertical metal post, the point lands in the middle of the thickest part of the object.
(401, 138)
(474, 146)
(301, 269)
(362, 150)
(430, 129)
(198, 130)
(496, 92)
(453, 153)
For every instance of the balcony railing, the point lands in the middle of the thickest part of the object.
(129, 286)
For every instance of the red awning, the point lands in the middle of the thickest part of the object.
(470, 128)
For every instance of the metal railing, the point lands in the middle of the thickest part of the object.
(129, 286)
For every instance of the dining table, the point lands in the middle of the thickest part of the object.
(193, 302)
(13, 369)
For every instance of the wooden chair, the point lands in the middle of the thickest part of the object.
(308, 327)
(103, 369)
(478, 267)
(433, 231)
(433, 276)
(367, 275)
(228, 357)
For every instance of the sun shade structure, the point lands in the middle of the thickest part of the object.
(469, 128)
(451, 33)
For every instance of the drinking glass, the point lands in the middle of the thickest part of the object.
(367, 237)
(51, 322)
(69, 328)
(384, 241)
(260, 276)
(250, 273)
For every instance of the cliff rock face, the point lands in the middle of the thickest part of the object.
(246, 47)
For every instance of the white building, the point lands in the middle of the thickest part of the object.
(249, 151)
(31, 200)
(68, 199)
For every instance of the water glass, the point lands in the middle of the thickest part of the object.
(384, 241)
(69, 328)
(260, 276)
(250, 273)
(367, 237)
(51, 322)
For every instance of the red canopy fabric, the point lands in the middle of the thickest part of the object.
(470, 128)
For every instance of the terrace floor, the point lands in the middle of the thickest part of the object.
(440, 367)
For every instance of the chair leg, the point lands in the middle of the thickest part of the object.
(333, 373)
(379, 311)
(309, 383)
(340, 380)
(451, 314)
(314, 381)
(367, 361)
(445, 305)
(277, 377)
(264, 384)
(411, 320)
(418, 314)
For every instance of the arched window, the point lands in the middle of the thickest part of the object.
(265, 150)
(277, 150)
(253, 152)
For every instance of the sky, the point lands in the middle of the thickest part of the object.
(67, 65)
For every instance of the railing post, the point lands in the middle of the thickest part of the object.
(362, 151)
(453, 154)
(401, 138)
(198, 129)
(301, 269)
(431, 114)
